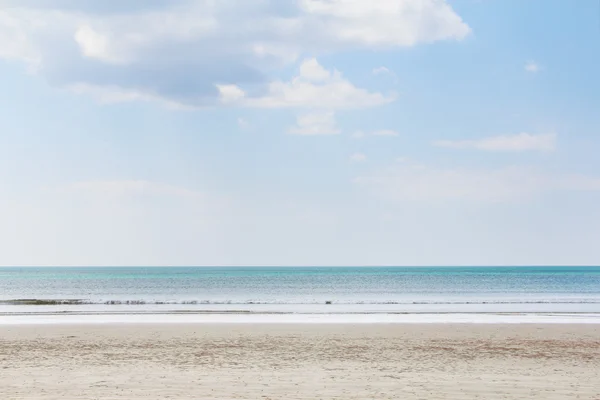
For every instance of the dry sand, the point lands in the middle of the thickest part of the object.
(300, 362)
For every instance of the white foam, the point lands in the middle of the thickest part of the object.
(479, 308)
(302, 319)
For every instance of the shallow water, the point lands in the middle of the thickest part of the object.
(312, 290)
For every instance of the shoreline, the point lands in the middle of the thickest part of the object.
(130, 331)
(262, 318)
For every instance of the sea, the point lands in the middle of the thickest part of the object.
(299, 294)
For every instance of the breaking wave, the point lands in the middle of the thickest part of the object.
(75, 302)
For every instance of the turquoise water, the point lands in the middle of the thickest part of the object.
(440, 289)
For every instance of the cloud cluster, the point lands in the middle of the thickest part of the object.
(194, 53)
(314, 87)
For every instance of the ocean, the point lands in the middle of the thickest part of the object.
(375, 293)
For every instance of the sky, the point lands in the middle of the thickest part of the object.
(299, 132)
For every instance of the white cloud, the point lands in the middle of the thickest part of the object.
(95, 45)
(358, 157)
(320, 123)
(17, 37)
(180, 51)
(409, 181)
(532, 66)
(387, 23)
(515, 143)
(312, 71)
(314, 87)
(123, 39)
(230, 93)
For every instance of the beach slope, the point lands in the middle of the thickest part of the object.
(229, 361)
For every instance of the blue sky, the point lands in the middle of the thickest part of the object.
(299, 132)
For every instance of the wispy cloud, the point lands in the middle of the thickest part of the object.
(120, 188)
(243, 124)
(509, 143)
(385, 132)
(410, 181)
(381, 70)
(319, 123)
(380, 132)
(111, 94)
(358, 157)
(385, 71)
(532, 66)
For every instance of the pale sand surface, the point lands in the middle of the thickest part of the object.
(428, 361)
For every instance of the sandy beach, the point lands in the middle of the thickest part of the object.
(228, 361)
